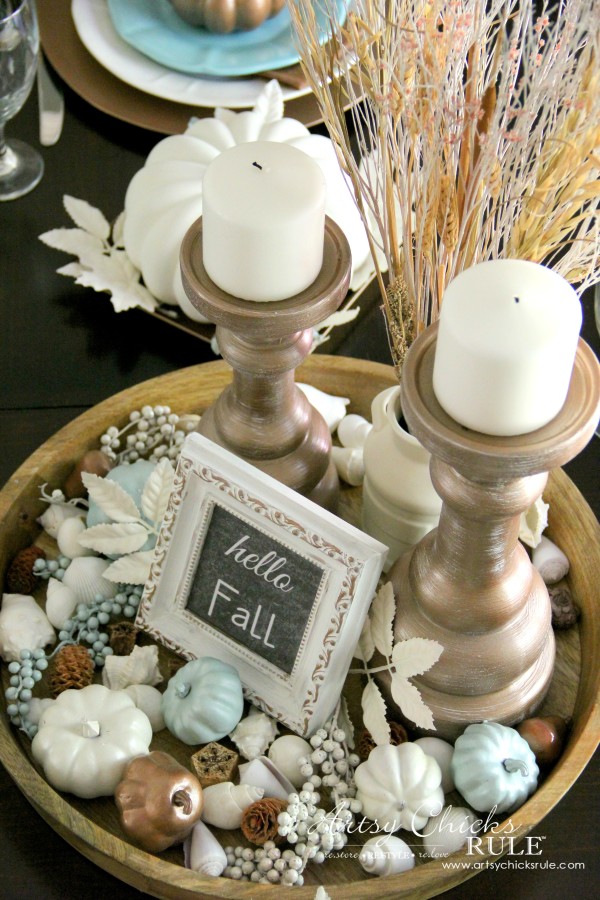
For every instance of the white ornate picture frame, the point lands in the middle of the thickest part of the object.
(250, 572)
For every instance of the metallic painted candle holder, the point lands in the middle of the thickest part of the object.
(469, 583)
(263, 416)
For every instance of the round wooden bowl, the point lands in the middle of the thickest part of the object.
(92, 827)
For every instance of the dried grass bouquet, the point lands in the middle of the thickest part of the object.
(476, 134)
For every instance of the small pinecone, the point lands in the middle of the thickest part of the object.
(73, 668)
(20, 578)
(122, 636)
(366, 743)
(259, 820)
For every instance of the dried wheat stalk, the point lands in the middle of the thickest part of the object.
(476, 130)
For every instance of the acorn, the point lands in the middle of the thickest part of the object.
(545, 736)
(94, 461)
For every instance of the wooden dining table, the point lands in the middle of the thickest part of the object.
(63, 350)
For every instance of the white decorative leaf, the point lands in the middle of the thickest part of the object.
(114, 502)
(157, 491)
(321, 893)
(117, 230)
(340, 318)
(132, 569)
(373, 707)
(366, 647)
(382, 612)
(415, 656)
(87, 217)
(72, 269)
(408, 698)
(108, 538)
(73, 240)
(345, 722)
(270, 102)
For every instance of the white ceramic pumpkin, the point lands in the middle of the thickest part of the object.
(87, 737)
(399, 787)
(494, 767)
(164, 198)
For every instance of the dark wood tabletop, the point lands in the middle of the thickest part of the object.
(63, 349)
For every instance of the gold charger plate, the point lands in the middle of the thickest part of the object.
(101, 89)
(92, 827)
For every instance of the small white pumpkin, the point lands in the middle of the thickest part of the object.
(86, 738)
(494, 767)
(399, 787)
(165, 197)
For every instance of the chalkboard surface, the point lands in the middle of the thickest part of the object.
(254, 589)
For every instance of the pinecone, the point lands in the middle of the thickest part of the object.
(20, 578)
(73, 668)
(122, 636)
(366, 743)
(259, 820)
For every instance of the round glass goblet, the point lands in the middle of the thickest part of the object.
(21, 167)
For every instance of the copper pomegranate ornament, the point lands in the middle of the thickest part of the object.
(545, 736)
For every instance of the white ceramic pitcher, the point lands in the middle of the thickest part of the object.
(399, 504)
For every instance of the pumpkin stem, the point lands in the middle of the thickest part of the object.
(183, 689)
(182, 799)
(516, 765)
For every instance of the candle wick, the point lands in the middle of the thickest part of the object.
(258, 166)
(517, 300)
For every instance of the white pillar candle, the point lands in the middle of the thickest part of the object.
(263, 220)
(506, 345)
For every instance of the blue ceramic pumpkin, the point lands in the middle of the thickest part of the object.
(203, 701)
(494, 767)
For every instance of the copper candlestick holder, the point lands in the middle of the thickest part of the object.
(469, 583)
(262, 416)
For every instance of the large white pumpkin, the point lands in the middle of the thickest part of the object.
(165, 197)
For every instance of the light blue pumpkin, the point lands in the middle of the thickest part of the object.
(132, 477)
(203, 701)
(494, 767)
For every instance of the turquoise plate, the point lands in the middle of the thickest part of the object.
(154, 28)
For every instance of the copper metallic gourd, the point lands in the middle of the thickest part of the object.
(225, 16)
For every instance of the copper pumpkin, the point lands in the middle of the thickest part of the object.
(159, 801)
(224, 16)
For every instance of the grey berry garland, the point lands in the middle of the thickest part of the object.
(82, 627)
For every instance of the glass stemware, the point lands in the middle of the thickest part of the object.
(21, 167)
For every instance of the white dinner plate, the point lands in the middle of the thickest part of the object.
(97, 33)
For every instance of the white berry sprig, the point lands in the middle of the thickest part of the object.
(151, 433)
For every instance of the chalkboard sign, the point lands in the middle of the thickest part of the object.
(254, 588)
(250, 572)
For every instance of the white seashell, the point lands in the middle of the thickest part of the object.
(203, 853)
(253, 734)
(285, 753)
(386, 855)
(55, 515)
(149, 700)
(225, 802)
(353, 430)
(332, 408)
(84, 576)
(262, 773)
(37, 708)
(67, 538)
(550, 561)
(140, 667)
(23, 625)
(448, 832)
(61, 601)
(442, 752)
(532, 522)
(350, 464)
